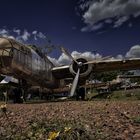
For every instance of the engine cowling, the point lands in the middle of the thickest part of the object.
(85, 69)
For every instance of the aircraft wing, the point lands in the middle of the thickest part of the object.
(116, 64)
(99, 66)
(62, 72)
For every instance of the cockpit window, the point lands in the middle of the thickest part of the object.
(5, 52)
(37, 50)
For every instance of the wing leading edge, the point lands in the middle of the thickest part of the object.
(100, 66)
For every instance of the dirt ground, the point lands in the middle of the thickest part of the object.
(119, 120)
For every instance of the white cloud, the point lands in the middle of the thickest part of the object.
(85, 29)
(41, 35)
(88, 55)
(120, 21)
(119, 56)
(25, 36)
(99, 10)
(34, 32)
(134, 52)
(54, 61)
(22, 36)
(4, 31)
(17, 31)
(92, 28)
(65, 60)
(84, 4)
(62, 60)
(35, 35)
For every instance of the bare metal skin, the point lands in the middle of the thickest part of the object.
(27, 63)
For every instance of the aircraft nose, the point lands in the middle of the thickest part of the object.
(5, 47)
(4, 43)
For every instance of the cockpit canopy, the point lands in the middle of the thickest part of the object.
(7, 45)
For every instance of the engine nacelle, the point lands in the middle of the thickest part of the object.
(85, 69)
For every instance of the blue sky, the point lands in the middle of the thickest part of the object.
(107, 27)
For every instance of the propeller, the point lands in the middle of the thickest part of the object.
(76, 79)
(68, 54)
(75, 82)
(79, 64)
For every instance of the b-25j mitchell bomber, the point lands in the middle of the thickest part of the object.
(32, 67)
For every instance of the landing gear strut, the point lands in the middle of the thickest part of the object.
(20, 92)
(18, 95)
(80, 93)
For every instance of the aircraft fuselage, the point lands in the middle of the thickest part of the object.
(26, 62)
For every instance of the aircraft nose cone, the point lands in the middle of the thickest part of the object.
(4, 43)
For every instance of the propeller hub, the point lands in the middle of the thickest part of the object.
(80, 64)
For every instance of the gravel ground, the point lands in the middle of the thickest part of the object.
(119, 120)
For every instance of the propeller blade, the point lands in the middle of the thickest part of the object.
(75, 82)
(93, 61)
(106, 57)
(68, 54)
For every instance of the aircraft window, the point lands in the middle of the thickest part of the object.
(22, 48)
(22, 58)
(11, 52)
(19, 55)
(5, 52)
(49, 66)
(25, 59)
(37, 50)
(43, 65)
(26, 52)
(28, 61)
(16, 54)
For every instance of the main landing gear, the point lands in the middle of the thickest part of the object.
(80, 94)
(20, 92)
